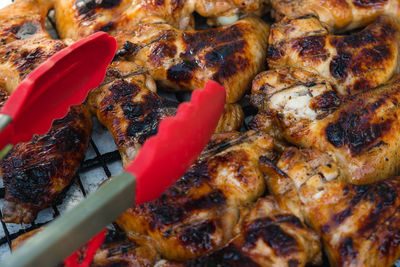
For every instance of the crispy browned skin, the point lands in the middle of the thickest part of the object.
(116, 250)
(359, 224)
(77, 19)
(35, 172)
(185, 60)
(24, 41)
(197, 214)
(128, 105)
(353, 63)
(340, 15)
(361, 132)
(267, 237)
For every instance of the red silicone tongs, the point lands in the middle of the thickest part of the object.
(48, 92)
(161, 161)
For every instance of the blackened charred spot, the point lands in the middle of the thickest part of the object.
(369, 3)
(339, 65)
(291, 219)
(389, 242)
(160, 2)
(182, 72)
(201, 39)
(274, 53)
(197, 173)
(328, 101)
(383, 195)
(362, 85)
(123, 92)
(127, 49)
(106, 27)
(29, 58)
(166, 212)
(370, 58)
(272, 234)
(354, 129)
(3, 97)
(162, 50)
(227, 59)
(87, 7)
(28, 29)
(228, 256)
(355, 40)
(338, 218)
(360, 192)
(198, 236)
(346, 249)
(312, 47)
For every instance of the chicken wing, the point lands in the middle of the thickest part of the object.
(360, 132)
(231, 55)
(359, 224)
(197, 214)
(24, 41)
(35, 172)
(128, 105)
(116, 250)
(353, 63)
(339, 15)
(77, 19)
(267, 237)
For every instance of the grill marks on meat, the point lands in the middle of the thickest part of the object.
(360, 130)
(128, 106)
(356, 222)
(197, 214)
(35, 172)
(353, 63)
(267, 236)
(24, 42)
(338, 15)
(79, 18)
(185, 60)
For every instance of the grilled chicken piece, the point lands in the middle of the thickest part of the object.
(128, 105)
(24, 42)
(77, 19)
(359, 224)
(339, 15)
(267, 237)
(185, 60)
(116, 250)
(197, 214)
(35, 172)
(360, 132)
(353, 63)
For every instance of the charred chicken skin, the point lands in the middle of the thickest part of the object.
(267, 236)
(358, 224)
(353, 63)
(35, 172)
(128, 105)
(197, 215)
(339, 15)
(360, 132)
(231, 55)
(77, 19)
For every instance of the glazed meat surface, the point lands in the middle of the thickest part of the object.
(77, 19)
(360, 132)
(35, 172)
(24, 41)
(267, 237)
(231, 55)
(353, 63)
(128, 105)
(357, 223)
(340, 15)
(116, 250)
(197, 214)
